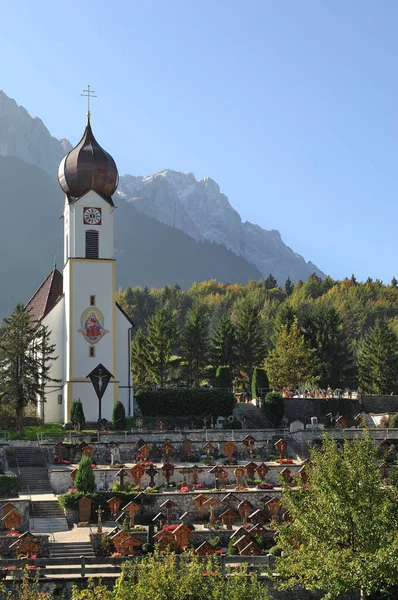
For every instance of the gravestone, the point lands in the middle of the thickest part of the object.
(84, 509)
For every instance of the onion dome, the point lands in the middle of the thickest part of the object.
(88, 167)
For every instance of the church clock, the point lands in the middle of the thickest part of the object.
(92, 216)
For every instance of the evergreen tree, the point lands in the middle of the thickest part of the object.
(77, 417)
(326, 334)
(119, 415)
(223, 343)
(292, 362)
(284, 316)
(378, 360)
(289, 287)
(85, 478)
(270, 283)
(394, 282)
(250, 342)
(26, 358)
(223, 377)
(195, 347)
(140, 360)
(162, 334)
(259, 381)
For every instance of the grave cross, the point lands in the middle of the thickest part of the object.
(100, 512)
(122, 474)
(151, 471)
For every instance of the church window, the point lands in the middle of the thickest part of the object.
(92, 244)
(60, 399)
(92, 300)
(91, 351)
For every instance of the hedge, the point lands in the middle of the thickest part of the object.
(186, 401)
(99, 499)
(8, 484)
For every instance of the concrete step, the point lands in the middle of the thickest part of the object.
(71, 550)
(47, 525)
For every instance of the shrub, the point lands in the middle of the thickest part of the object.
(394, 421)
(185, 401)
(224, 377)
(119, 415)
(259, 381)
(77, 415)
(274, 407)
(8, 484)
(85, 479)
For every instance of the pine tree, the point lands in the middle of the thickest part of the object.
(26, 358)
(195, 347)
(162, 334)
(325, 332)
(292, 362)
(289, 287)
(223, 343)
(394, 282)
(77, 417)
(85, 478)
(250, 342)
(378, 360)
(270, 283)
(140, 360)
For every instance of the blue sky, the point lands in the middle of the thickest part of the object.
(291, 106)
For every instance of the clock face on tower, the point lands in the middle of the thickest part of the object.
(92, 216)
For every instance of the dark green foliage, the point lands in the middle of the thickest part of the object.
(8, 485)
(378, 360)
(26, 357)
(77, 415)
(119, 415)
(393, 424)
(195, 347)
(250, 339)
(223, 343)
(259, 381)
(270, 283)
(162, 333)
(140, 360)
(289, 287)
(224, 377)
(274, 407)
(186, 401)
(394, 282)
(85, 479)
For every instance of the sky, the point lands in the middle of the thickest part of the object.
(291, 106)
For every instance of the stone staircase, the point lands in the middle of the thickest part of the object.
(71, 550)
(30, 464)
(46, 516)
(255, 417)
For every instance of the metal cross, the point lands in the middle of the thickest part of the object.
(89, 93)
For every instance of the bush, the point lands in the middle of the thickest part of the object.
(274, 407)
(85, 479)
(259, 381)
(77, 415)
(8, 485)
(224, 377)
(119, 415)
(186, 401)
(394, 421)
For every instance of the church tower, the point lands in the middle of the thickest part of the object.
(95, 330)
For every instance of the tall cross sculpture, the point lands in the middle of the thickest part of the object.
(88, 93)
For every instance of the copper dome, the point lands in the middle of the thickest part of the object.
(88, 167)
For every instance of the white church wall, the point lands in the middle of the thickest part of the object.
(75, 228)
(55, 321)
(123, 361)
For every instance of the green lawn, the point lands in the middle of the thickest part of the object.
(31, 431)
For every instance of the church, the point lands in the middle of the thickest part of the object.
(90, 331)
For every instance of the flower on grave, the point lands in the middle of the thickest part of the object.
(147, 463)
(72, 490)
(185, 489)
(62, 461)
(199, 486)
(139, 456)
(188, 453)
(94, 466)
(116, 555)
(13, 534)
(265, 486)
(170, 528)
(285, 461)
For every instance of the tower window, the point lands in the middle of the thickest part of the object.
(92, 244)
(91, 351)
(60, 399)
(92, 300)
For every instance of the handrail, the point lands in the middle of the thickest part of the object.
(16, 459)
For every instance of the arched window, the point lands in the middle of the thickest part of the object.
(92, 244)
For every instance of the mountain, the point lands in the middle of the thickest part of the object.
(28, 138)
(199, 209)
(147, 251)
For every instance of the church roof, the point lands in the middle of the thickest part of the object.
(46, 297)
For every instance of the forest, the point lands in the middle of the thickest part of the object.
(324, 333)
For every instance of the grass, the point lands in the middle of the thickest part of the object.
(31, 431)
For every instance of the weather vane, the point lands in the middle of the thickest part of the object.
(89, 93)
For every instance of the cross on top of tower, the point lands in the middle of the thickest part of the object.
(88, 93)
